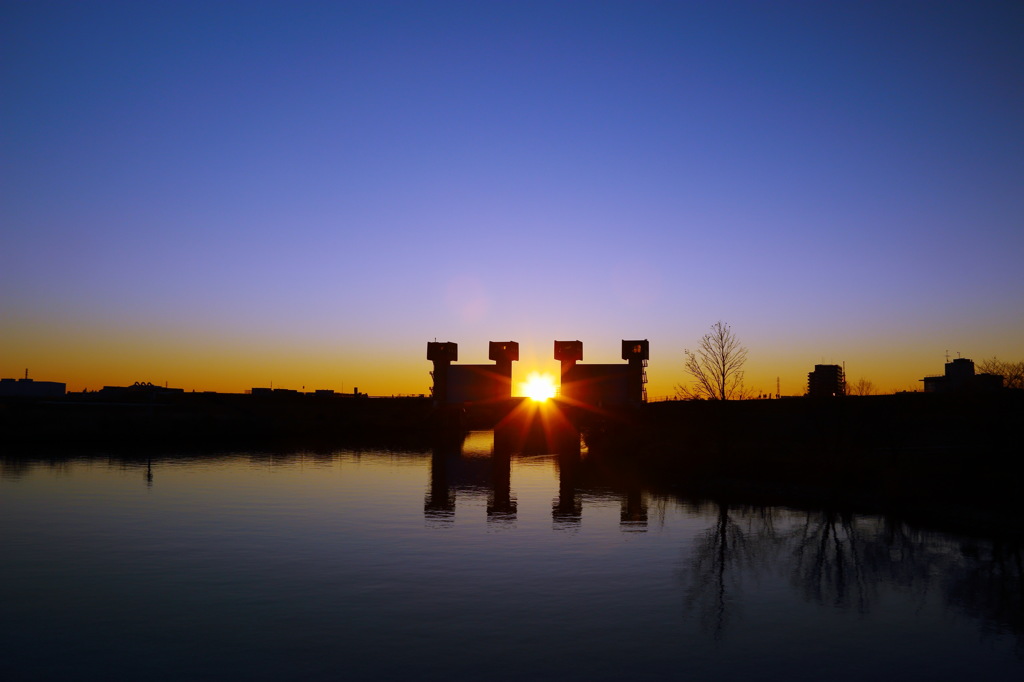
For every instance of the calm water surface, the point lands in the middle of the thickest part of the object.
(458, 565)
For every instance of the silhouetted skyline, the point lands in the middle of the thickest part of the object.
(225, 195)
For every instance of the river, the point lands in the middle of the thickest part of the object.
(460, 564)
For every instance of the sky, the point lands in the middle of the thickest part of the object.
(222, 195)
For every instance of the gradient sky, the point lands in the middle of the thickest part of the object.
(221, 195)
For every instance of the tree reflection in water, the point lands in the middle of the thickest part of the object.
(732, 549)
(842, 560)
(991, 586)
(833, 561)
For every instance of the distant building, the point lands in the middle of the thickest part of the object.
(959, 377)
(826, 381)
(275, 392)
(140, 389)
(30, 388)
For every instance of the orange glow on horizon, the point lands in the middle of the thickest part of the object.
(86, 354)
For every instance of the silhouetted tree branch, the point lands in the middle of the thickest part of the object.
(1012, 372)
(716, 366)
(860, 387)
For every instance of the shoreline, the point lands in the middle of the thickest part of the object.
(953, 458)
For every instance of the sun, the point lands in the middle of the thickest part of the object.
(538, 387)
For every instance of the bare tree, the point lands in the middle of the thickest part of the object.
(716, 366)
(860, 387)
(1012, 372)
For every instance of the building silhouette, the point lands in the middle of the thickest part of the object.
(604, 385)
(471, 383)
(30, 388)
(140, 389)
(960, 376)
(826, 381)
(585, 385)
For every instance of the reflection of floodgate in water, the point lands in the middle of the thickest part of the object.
(537, 426)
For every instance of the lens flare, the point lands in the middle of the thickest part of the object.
(538, 387)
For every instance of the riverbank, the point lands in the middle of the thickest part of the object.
(883, 453)
(158, 420)
(949, 458)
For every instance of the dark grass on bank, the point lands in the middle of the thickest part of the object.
(214, 421)
(907, 449)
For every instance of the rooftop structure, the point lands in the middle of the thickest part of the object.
(960, 376)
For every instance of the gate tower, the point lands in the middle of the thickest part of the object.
(504, 353)
(442, 354)
(568, 353)
(637, 352)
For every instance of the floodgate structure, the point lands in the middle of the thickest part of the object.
(596, 386)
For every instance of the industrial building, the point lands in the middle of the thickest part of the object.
(30, 388)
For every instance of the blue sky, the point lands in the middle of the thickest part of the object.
(215, 193)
